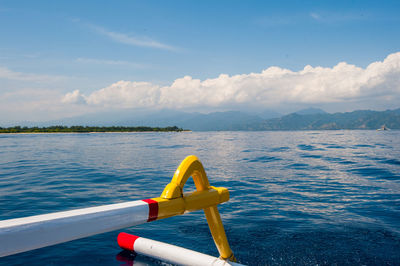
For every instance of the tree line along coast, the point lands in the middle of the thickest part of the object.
(87, 129)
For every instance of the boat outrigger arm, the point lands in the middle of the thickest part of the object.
(24, 234)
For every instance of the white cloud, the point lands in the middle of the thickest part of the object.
(271, 88)
(8, 74)
(273, 20)
(74, 97)
(109, 62)
(35, 104)
(126, 94)
(131, 40)
(331, 17)
(315, 15)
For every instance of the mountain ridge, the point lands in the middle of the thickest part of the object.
(305, 119)
(359, 119)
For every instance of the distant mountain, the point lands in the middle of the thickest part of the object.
(397, 111)
(311, 111)
(268, 114)
(363, 119)
(307, 119)
(218, 121)
(230, 120)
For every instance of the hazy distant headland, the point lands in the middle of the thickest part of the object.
(306, 119)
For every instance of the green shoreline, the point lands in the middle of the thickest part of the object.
(87, 129)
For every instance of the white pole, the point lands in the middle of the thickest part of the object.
(23, 234)
(169, 253)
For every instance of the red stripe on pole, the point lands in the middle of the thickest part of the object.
(127, 241)
(153, 209)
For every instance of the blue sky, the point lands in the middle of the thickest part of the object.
(65, 58)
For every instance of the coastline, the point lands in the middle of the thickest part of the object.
(93, 132)
(87, 129)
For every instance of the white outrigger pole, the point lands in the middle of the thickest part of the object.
(169, 253)
(24, 234)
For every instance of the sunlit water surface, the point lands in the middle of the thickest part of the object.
(297, 198)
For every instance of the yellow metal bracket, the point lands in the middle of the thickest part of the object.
(173, 201)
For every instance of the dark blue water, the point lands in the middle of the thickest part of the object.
(297, 198)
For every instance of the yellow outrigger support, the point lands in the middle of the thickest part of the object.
(204, 198)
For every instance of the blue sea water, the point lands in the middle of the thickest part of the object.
(297, 198)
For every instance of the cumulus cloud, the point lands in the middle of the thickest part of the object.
(272, 87)
(126, 94)
(74, 97)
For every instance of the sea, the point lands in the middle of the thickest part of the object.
(296, 197)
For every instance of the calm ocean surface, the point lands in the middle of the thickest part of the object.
(297, 198)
